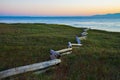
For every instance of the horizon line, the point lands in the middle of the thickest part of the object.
(54, 15)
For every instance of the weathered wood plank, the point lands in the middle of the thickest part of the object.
(76, 44)
(73, 44)
(27, 68)
(64, 50)
(84, 33)
(66, 53)
(56, 54)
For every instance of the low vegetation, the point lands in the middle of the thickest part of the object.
(23, 44)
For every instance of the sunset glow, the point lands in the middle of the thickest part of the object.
(58, 7)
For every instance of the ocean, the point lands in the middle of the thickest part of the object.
(107, 24)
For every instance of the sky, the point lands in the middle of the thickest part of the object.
(58, 7)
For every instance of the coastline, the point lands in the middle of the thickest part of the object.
(108, 24)
(66, 25)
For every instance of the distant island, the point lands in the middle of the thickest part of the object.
(116, 15)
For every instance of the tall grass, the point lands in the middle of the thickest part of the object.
(97, 59)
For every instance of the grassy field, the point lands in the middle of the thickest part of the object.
(97, 59)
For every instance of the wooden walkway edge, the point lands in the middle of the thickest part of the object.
(27, 68)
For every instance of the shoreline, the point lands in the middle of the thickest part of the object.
(67, 25)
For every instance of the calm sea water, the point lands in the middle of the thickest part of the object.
(95, 23)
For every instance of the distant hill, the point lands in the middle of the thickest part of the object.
(116, 15)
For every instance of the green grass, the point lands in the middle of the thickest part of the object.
(97, 59)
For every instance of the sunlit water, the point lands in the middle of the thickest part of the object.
(100, 24)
